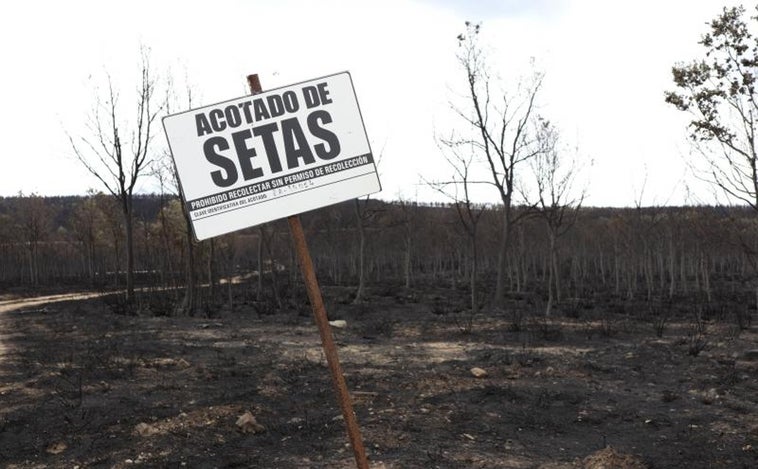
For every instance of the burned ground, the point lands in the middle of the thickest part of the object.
(82, 386)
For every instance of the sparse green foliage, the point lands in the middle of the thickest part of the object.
(719, 92)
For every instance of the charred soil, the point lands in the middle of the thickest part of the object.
(82, 386)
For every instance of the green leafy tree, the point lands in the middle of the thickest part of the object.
(719, 92)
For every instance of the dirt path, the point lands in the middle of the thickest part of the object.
(19, 303)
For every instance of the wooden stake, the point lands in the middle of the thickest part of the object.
(322, 322)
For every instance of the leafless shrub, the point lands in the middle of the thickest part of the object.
(696, 337)
(607, 325)
(546, 329)
(464, 320)
(117, 303)
(379, 327)
(518, 318)
(659, 315)
(441, 308)
(743, 317)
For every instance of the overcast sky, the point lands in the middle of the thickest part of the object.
(607, 65)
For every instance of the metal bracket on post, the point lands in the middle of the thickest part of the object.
(322, 322)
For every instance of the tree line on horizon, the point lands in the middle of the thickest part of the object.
(640, 253)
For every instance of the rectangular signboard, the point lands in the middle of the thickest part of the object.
(258, 158)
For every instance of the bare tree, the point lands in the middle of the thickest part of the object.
(409, 212)
(267, 234)
(556, 205)
(85, 224)
(259, 289)
(458, 189)
(117, 152)
(500, 123)
(363, 216)
(228, 247)
(166, 173)
(34, 227)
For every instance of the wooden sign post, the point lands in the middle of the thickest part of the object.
(322, 322)
(282, 152)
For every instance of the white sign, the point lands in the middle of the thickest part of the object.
(258, 158)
